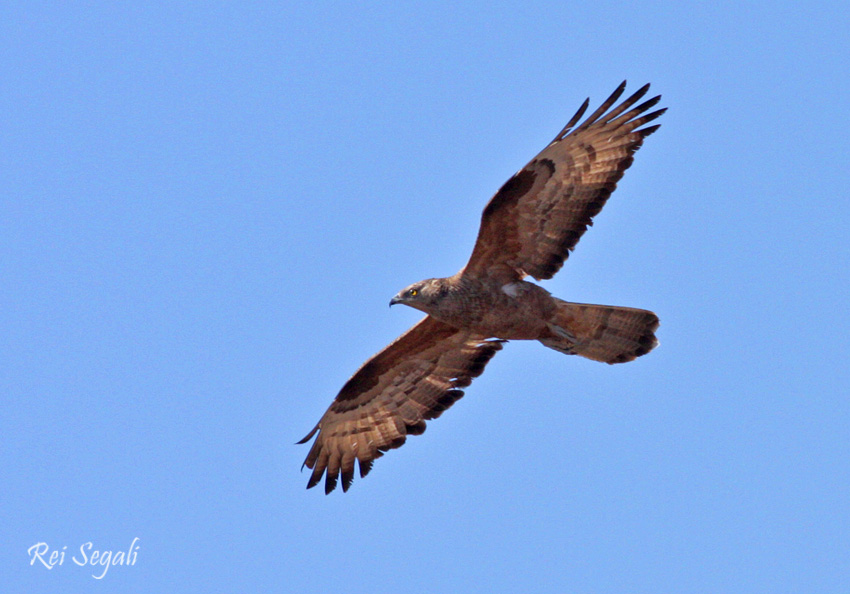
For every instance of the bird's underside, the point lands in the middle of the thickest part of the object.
(528, 228)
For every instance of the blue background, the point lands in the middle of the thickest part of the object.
(206, 207)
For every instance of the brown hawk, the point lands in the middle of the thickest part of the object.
(527, 229)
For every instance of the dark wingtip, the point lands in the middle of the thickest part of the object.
(644, 132)
(308, 436)
(648, 103)
(365, 466)
(655, 114)
(314, 480)
(330, 483)
(573, 120)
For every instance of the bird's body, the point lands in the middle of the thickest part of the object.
(517, 310)
(520, 310)
(528, 228)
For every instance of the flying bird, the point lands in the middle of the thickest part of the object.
(528, 228)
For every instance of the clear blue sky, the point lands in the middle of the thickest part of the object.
(206, 207)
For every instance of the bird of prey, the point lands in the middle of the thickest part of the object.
(528, 228)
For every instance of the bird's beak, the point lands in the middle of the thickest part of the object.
(395, 300)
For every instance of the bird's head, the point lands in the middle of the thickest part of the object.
(422, 295)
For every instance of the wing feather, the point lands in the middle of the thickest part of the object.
(414, 379)
(536, 219)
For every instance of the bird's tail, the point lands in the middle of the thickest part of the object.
(601, 332)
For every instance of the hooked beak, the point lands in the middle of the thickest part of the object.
(395, 300)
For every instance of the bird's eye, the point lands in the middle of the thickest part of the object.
(413, 292)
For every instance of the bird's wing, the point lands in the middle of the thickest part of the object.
(414, 379)
(533, 222)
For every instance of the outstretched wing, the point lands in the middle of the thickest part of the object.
(536, 219)
(414, 379)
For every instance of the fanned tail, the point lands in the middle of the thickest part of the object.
(601, 332)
